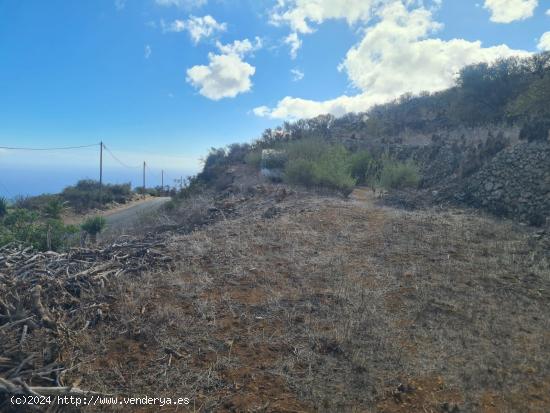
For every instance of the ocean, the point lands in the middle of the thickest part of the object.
(27, 181)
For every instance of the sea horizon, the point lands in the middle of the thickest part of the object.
(18, 182)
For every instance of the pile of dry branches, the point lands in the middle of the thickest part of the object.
(48, 298)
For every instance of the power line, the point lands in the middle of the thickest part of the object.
(145, 166)
(118, 160)
(10, 148)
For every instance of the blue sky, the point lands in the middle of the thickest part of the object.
(164, 80)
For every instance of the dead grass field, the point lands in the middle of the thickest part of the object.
(298, 303)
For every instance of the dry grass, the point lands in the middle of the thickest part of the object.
(333, 305)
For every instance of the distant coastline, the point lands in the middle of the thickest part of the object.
(19, 181)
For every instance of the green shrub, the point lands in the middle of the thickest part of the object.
(310, 149)
(34, 203)
(54, 208)
(300, 172)
(86, 194)
(364, 167)
(26, 227)
(236, 153)
(330, 168)
(52, 235)
(274, 159)
(253, 158)
(93, 226)
(333, 170)
(399, 175)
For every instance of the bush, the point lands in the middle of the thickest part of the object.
(54, 208)
(26, 227)
(53, 235)
(253, 158)
(86, 194)
(330, 169)
(310, 149)
(300, 172)
(333, 170)
(236, 153)
(93, 226)
(34, 203)
(365, 168)
(399, 175)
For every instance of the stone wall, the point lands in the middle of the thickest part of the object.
(515, 183)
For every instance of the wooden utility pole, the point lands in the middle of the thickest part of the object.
(162, 180)
(143, 177)
(100, 170)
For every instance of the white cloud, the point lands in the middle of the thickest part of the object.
(198, 27)
(297, 75)
(507, 11)
(296, 108)
(295, 43)
(394, 57)
(261, 111)
(182, 4)
(240, 47)
(147, 51)
(544, 42)
(225, 76)
(176, 26)
(300, 15)
(548, 12)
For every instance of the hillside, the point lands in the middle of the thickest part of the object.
(482, 143)
(262, 297)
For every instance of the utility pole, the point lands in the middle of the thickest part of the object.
(100, 170)
(181, 183)
(144, 178)
(162, 180)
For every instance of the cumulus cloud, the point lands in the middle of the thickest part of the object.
(198, 27)
(240, 47)
(182, 4)
(297, 75)
(225, 76)
(302, 15)
(544, 42)
(395, 56)
(507, 11)
(296, 108)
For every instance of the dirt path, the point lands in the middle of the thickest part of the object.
(122, 219)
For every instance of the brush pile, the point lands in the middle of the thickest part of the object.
(48, 298)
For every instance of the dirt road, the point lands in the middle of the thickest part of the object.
(120, 220)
